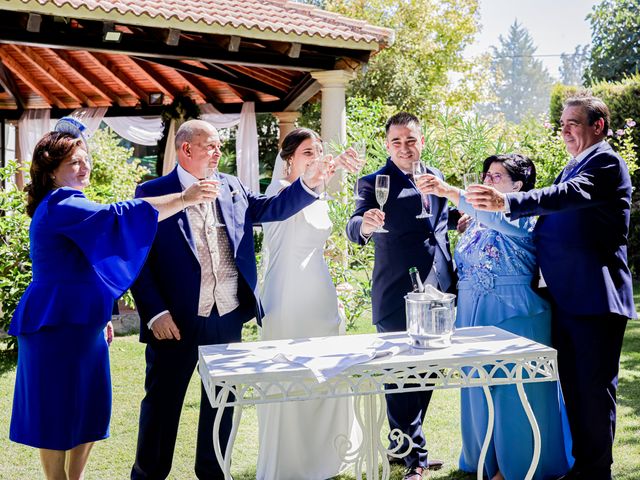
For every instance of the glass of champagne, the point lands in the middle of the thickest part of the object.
(360, 147)
(471, 178)
(420, 169)
(211, 173)
(382, 193)
(327, 149)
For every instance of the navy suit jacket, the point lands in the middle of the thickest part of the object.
(170, 279)
(411, 242)
(581, 235)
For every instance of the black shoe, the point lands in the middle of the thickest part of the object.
(435, 464)
(415, 473)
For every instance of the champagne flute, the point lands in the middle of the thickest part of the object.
(327, 149)
(471, 178)
(360, 147)
(382, 193)
(420, 169)
(211, 173)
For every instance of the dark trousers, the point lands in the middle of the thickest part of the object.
(170, 366)
(406, 412)
(588, 360)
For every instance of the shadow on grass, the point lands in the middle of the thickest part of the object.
(8, 360)
(397, 473)
(629, 387)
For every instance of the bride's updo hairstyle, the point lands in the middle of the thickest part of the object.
(519, 167)
(50, 152)
(291, 143)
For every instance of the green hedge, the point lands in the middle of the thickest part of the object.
(623, 100)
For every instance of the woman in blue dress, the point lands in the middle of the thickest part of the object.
(84, 256)
(496, 262)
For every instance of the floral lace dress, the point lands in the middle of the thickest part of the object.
(495, 258)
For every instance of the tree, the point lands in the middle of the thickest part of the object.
(573, 66)
(415, 72)
(520, 82)
(615, 40)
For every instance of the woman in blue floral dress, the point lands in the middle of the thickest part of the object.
(496, 261)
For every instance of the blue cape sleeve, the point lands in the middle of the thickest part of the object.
(115, 238)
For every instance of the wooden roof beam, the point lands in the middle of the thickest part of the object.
(32, 83)
(115, 73)
(32, 57)
(306, 88)
(198, 87)
(217, 72)
(160, 80)
(98, 85)
(9, 84)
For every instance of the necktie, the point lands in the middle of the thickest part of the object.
(571, 164)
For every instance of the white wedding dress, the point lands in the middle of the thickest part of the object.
(298, 440)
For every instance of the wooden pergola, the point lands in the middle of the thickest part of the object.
(135, 56)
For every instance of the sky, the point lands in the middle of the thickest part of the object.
(556, 26)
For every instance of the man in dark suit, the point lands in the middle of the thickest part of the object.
(581, 241)
(198, 286)
(410, 242)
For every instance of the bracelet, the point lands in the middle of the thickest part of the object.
(182, 199)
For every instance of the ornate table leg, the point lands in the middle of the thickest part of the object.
(487, 437)
(534, 424)
(370, 411)
(225, 460)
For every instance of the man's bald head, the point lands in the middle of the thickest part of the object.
(198, 147)
(192, 128)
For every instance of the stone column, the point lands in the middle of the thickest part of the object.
(286, 123)
(334, 114)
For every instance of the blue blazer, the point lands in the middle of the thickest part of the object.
(411, 242)
(581, 235)
(170, 279)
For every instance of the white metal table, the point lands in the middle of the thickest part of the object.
(478, 357)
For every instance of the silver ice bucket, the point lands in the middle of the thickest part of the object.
(430, 322)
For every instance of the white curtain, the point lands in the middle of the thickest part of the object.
(90, 117)
(246, 139)
(170, 149)
(247, 158)
(140, 130)
(148, 130)
(33, 124)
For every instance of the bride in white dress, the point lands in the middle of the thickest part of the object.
(299, 440)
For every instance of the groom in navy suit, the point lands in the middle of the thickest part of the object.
(411, 242)
(198, 286)
(581, 241)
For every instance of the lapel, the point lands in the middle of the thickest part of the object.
(583, 163)
(399, 178)
(181, 218)
(225, 202)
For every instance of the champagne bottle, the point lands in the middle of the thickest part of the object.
(416, 283)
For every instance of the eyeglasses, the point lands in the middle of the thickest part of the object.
(492, 177)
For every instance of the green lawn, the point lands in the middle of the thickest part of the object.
(112, 458)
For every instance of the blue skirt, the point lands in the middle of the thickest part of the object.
(62, 395)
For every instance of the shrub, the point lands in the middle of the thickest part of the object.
(15, 264)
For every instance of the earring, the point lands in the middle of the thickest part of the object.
(53, 177)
